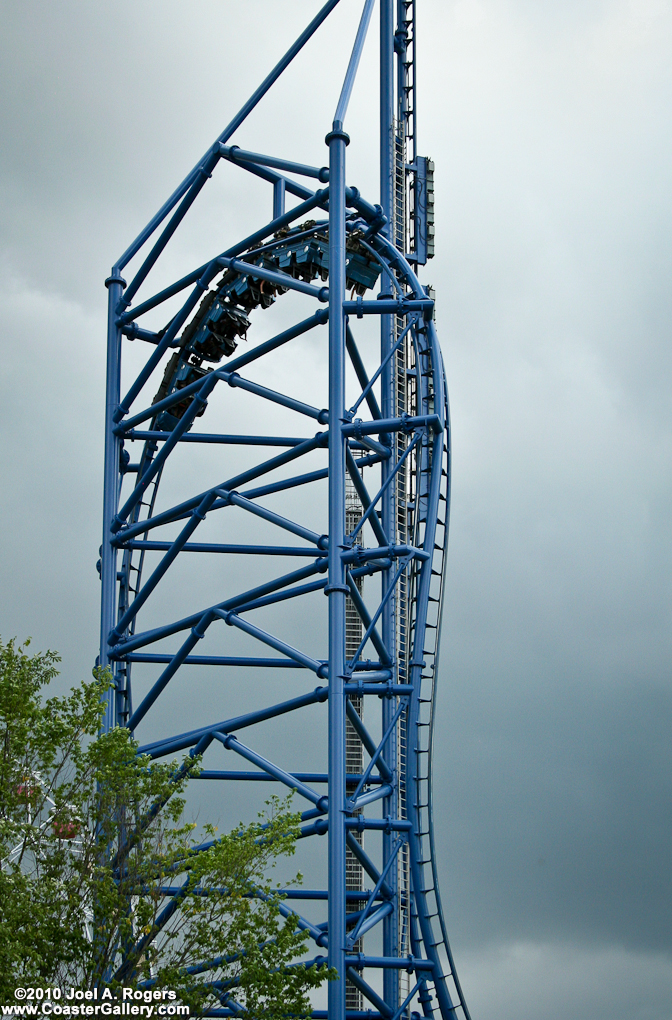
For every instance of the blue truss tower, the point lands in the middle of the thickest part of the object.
(293, 552)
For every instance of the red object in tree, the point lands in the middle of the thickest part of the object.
(26, 792)
(64, 829)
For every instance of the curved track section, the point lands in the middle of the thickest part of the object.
(255, 467)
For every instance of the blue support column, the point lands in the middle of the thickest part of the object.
(278, 198)
(386, 105)
(115, 285)
(387, 407)
(337, 588)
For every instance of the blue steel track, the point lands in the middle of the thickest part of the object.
(377, 551)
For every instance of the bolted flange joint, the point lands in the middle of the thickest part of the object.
(336, 133)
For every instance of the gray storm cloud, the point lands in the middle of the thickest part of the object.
(549, 126)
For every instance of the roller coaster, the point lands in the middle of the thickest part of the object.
(362, 503)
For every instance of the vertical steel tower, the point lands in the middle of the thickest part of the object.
(362, 504)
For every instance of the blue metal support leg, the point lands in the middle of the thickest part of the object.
(337, 588)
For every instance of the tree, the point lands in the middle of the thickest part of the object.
(102, 883)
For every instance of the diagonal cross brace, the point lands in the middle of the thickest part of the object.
(352, 938)
(231, 743)
(268, 515)
(371, 627)
(375, 756)
(321, 669)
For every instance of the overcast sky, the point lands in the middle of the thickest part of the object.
(549, 123)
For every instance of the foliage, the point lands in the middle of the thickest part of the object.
(101, 882)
